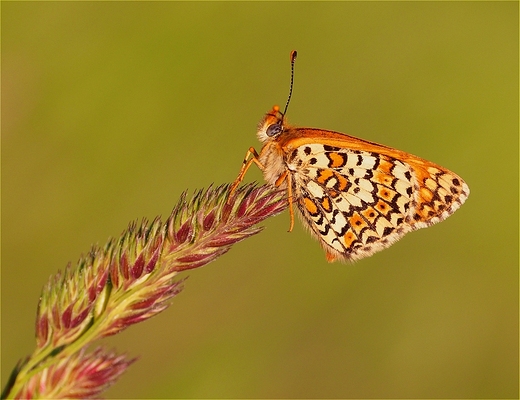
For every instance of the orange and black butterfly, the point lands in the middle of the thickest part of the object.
(356, 197)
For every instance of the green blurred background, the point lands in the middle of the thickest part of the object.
(111, 110)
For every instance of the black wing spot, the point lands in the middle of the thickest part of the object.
(326, 147)
(292, 155)
(388, 230)
(378, 160)
(325, 231)
(334, 213)
(372, 239)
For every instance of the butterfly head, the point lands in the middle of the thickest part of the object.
(271, 126)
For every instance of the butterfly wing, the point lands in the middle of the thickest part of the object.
(357, 202)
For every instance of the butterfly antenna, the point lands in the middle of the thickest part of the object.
(293, 55)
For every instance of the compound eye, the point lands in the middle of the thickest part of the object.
(273, 130)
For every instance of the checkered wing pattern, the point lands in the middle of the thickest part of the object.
(359, 202)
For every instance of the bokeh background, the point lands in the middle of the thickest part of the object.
(111, 110)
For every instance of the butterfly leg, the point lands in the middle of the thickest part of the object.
(245, 166)
(279, 181)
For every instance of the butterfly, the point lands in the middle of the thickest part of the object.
(355, 196)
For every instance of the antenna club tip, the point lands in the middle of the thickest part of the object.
(293, 55)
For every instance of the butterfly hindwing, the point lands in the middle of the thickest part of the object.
(358, 202)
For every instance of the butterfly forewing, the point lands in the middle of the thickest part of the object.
(359, 202)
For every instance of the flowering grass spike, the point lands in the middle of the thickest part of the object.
(128, 281)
